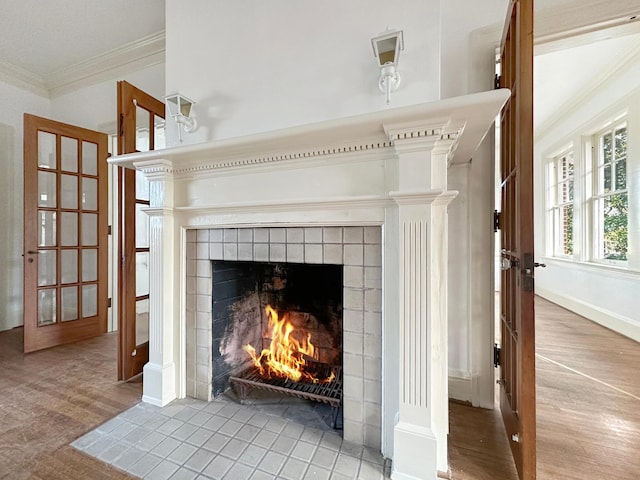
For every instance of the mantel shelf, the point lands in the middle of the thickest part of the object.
(465, 119)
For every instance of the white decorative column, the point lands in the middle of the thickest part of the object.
(159, 375)
(420, 435)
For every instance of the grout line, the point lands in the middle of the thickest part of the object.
(588, 377)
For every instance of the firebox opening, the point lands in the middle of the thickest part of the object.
(309, 296)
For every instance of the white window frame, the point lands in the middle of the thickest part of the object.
(559, 183)
(598, 194)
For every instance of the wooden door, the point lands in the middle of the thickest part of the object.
(65, 233)
(517, 373)
(141, 121)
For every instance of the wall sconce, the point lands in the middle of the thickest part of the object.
(386, 49)
(180, 109)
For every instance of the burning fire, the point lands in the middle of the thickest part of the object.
(286, 357)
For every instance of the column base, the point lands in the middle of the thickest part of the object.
(415, 453)
(158, 384)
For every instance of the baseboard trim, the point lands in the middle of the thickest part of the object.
(460, 389)
(622, 325)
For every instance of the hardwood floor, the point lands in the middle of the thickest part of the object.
(588, 406)
(49, 398)
(588, 400)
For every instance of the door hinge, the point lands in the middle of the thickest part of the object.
(496, 355)
(109, 230)
(496, 220)
(108, 302)
(121, 126)
(496, 81)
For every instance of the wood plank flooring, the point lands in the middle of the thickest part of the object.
(49, 398)
(588, 408)
(588, 403)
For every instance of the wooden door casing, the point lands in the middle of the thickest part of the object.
(131, 356)
(517, 373)
(61, 331)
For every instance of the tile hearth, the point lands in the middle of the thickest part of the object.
(223, 440)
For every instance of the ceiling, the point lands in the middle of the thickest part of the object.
(564, 75)
(51, 44)
(41, 40)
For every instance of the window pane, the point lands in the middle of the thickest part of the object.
(47, 189)
(46, 150)
(47, 230)
(89, 158)
(89, 193)
(160, 141)
(89, 229)
(142, 129)
(46, 307)
(47, 273)
(142, 321)
(69, 303)
(567, 230)
(142, 227)
(142, 186)
(69, 193)
(89, 300)
(69, 266)
(606, 148)
(69, 154)
(615, 226)
(89, 265)
(68, 229)
(142, 273)
(621, 175)
(621, 143)
(605, 179)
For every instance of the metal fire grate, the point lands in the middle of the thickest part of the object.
(330, 393)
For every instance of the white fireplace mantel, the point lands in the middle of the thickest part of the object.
(385, 169)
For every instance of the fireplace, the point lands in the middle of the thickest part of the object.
(368, 193)
(345, 264)
(284, 319)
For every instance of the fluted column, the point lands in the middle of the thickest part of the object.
(420, 434)
(159, 379)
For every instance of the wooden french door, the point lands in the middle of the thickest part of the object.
(65, 233)
(141, 128)
(517, 373)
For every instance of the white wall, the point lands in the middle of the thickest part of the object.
(256, 66)
(14, 103)
(605, 294)
(95, 106)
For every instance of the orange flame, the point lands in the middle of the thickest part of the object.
(286, 355)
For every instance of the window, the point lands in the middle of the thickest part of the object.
(610, 199)
(560, 203)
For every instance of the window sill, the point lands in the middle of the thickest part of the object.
(594, 267)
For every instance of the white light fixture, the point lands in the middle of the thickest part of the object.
(386, 49)
(180, 109)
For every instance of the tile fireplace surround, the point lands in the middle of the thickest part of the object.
(369, 192)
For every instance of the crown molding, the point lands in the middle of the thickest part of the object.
(24, 79)
(630, 55)
(145, 52)
(142, 53)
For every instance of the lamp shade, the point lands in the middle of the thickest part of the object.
(179, 105)
(387, 46)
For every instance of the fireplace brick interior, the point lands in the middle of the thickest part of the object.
(358, 249)
(310, 295)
